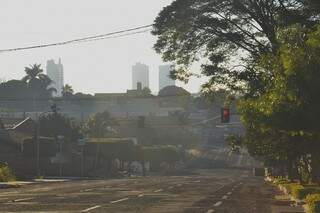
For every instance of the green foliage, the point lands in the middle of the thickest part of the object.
(282, 125)
(235, 143)
(99, 125)
(146, 91)
(300, 192)
(289, 186)
(38, 82)
(67, 91)
(280, 181)
(313, 203)
(219, 31)
(54, 124)
(6, 174)
(34, 85)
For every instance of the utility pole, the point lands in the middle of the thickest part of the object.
(60, 141)
(82, 143)
(54, 109)
(38, 147)
(82, 161)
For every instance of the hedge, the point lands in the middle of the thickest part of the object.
(313, 203)
(300, 192)
(6, 174)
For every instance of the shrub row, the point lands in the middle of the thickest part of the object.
(6, 174)
(301, 192)
(313, 203)
(309, 193)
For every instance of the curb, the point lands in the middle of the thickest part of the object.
(9, 185)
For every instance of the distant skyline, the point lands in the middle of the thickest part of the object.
(140, 74)
(101, 66)
(164, 76)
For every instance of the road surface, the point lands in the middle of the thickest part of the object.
(206, 191)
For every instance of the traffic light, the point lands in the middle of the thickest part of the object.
(225, 115)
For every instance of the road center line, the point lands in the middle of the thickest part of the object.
(159, 190)
(229, 193)
(218, 204)
(23, 199)
(118, 201)
(91, 208)
(88, 190)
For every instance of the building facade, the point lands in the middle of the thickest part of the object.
(164, 77)
(140, 73)
(56, 74)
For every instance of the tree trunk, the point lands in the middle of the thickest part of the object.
(143, 168)
(314, 164)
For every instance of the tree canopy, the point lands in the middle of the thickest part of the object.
(229, 36)
(99, 125)
(282, 125)
(35, 84)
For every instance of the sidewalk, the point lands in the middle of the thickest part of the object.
(17, 184)
(14, 184)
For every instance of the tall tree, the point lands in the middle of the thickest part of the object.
(231, 34)
(99, 125)
(37, 81)
(67, 91)
(282, 125)
(54, 124)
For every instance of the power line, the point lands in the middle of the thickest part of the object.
(115, 34)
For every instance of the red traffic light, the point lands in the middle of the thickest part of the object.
(225, 115)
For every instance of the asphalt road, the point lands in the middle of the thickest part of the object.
(207, 191)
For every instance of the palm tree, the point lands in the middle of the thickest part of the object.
(67, 91)
(37, 81)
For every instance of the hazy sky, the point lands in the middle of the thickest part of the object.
(101, 66)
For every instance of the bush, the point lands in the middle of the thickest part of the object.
(288, 186)
(6, 174)
(313, 203)
(300, 192)
(281, 180)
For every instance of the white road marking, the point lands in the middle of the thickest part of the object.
(179, 185)
(197, 181)
(159, 190)
(141, 195)
(23, 199)
(170, 187)
(218, 204)
(210, 211)
(225, 197)
(91, 208)
(88, 190)
(229, 193)
(118, 201)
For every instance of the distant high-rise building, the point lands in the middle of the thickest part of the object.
(55, 73)
(164, 77)
(140, 73)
